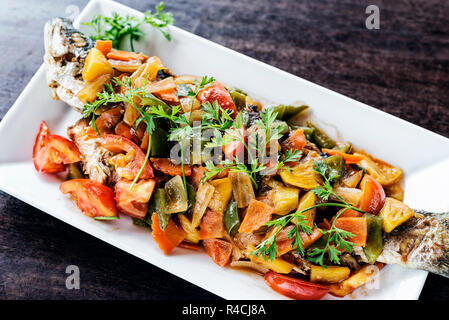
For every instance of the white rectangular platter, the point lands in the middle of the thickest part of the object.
(381, 134)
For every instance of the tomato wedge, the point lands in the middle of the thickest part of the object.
(373, 196)
(128, 165)
(295, 288)
(134, 202)
(51, 152)
(236, 148)
(216, 92)
(94, 199)
(43, 163)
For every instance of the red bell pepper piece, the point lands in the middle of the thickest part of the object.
(295, 288)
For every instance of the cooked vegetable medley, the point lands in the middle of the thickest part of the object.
(201, 163)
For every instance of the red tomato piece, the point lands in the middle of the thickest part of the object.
(94, 199)
(216, 92)
(66, 149)
(295, 288)
(47, 161)
(134, 202)
(129, 165)
(42, 161)
(373, 195)
(51, 152)
(236, 148)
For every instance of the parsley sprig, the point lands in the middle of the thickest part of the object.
(183, 90)
(117, 27)
(267, 132)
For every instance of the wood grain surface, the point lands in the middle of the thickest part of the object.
(402, 69)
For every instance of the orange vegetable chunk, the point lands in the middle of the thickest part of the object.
(211, 226)
(257, 214)
(169, 238)
(296, 141)
(219, 250)
(357, 226)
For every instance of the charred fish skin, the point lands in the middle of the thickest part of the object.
(420, 243)
(66, 49)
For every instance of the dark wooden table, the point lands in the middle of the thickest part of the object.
(402, 68)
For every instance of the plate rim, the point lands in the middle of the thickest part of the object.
(89, 6)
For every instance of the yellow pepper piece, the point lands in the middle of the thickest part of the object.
(95, 65)
(394, 213)
(277, 265)
(301, 175)
(332, 274)
(191, 232)
(284, 199)
(357, 279)
(308, 200)
(383, 172)
(222, 194)
(90, 90)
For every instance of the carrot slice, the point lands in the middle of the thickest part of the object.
(104, 46)
(126, 55)
(257, 214)
(168, 95)
(296, 141)
(211, 226)
(285, 246)
(166, 166)
(349, 213)
(169, 238)
(349, 158)
(357, 226)
(219, 250)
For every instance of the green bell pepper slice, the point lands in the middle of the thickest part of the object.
(374, 242)
(239, 98)
(343, 147)
(335, 165)
(160, 146)
(157, 205)
(321, 139)
(232, 219)
(191, 196)
(287, 111)
(151, 101)
(75, 172)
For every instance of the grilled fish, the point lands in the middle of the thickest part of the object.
(66, 49)
(420, 243)
(94, 154)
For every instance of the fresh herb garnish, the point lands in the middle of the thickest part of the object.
(336, 238)
(183, 90)
(116, 28)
